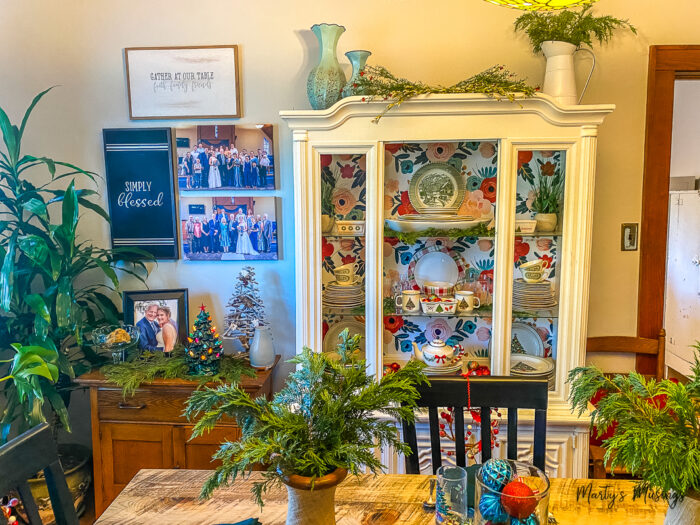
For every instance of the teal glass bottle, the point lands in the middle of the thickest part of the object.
(326, 80)
(358, 59)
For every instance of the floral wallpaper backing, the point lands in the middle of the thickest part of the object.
(478, 162)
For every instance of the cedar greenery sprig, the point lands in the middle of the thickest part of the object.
(496, 81)
(148, 366)
(328, 416)
(658, 425)
(574, 27)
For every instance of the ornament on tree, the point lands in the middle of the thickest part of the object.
(203, 350)
(496, 473)
(246, 309)
(530, 520)
(518, 500)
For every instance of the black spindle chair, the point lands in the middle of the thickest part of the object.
(21, 459)
(486, 393)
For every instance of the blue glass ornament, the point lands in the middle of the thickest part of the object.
(491, 509)
(530, 520)
(496, 473)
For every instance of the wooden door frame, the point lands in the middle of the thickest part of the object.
(666, 64)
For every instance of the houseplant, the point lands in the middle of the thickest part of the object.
(549, 188)
(54, 286)
(328, 182)
(657, 436)
(558, 36)
(324, 423)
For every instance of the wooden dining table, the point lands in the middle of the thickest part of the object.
(169, 497)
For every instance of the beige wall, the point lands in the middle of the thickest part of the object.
(249, 138)
(78, 45)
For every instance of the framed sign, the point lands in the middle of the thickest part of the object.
(183, 82)
(140, 190)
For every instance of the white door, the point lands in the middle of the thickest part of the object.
(682, 301)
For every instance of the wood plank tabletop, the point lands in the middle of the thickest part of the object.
(169, 497)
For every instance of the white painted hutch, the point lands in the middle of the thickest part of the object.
(500, 149)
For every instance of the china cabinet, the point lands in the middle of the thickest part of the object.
(444, 191)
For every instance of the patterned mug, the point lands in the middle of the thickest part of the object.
(409, 301)
(466, 301)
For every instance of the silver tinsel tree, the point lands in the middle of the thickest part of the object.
(246, 309)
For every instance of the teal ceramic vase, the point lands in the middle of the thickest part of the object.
(326, 80)
(358, 59)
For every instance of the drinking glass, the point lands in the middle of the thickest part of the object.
(451, 496)
(493, 506)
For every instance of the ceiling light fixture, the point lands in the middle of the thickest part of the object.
(541, 5)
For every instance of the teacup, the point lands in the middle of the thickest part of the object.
(409, 301)
(466, 301)
(533, 271)
(345, 275)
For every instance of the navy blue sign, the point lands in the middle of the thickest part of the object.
(139, 170)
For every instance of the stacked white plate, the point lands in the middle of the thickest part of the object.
(532, 367)
(338, 296)
(420, 222)
(533, 296)
(454, 366)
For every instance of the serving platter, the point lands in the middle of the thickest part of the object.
(419, 223)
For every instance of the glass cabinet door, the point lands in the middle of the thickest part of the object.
(343, 213)
(539, 212)
(439, 253)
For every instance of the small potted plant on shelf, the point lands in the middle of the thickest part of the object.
(558, 36)
(657, 432)
(324, 423)
(327, 206)
(549, 189)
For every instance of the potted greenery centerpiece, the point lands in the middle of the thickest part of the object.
(324, 423)
(657, 436)
(558, 36)
(52, 290)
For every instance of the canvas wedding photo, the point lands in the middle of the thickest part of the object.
(225, 157)
(229, 228)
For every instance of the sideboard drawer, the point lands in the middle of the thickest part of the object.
(145, 405)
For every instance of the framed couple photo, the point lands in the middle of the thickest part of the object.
(159, 315)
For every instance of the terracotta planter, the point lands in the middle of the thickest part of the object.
(546, 222)
(685, 511)
(307, 506)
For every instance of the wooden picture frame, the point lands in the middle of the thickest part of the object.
(184, 82)
(174, 298)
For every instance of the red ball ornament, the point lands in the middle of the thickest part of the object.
(517, 498)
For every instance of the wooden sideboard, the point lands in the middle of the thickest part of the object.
(148, 430)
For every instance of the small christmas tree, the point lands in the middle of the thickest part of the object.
(246, 309)
(203, 350)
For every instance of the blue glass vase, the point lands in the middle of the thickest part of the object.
(358, 59)
(326, 80)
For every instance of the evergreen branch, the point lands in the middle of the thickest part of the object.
(496, 81)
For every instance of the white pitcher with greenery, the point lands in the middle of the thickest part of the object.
(324, 423)
(558, 37)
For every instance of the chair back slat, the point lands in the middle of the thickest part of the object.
(435, 452)
(632, 345)
(486, 392)
(460, 453)
(30, 508)
(21, 459)
(539, 448)
(512, 434)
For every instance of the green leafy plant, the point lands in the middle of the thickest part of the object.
(575, 27)
(548, 187)
(327, 188)
(496, 81)
(326, 417)
(53, 285)
(27, 367)
(658, 425)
